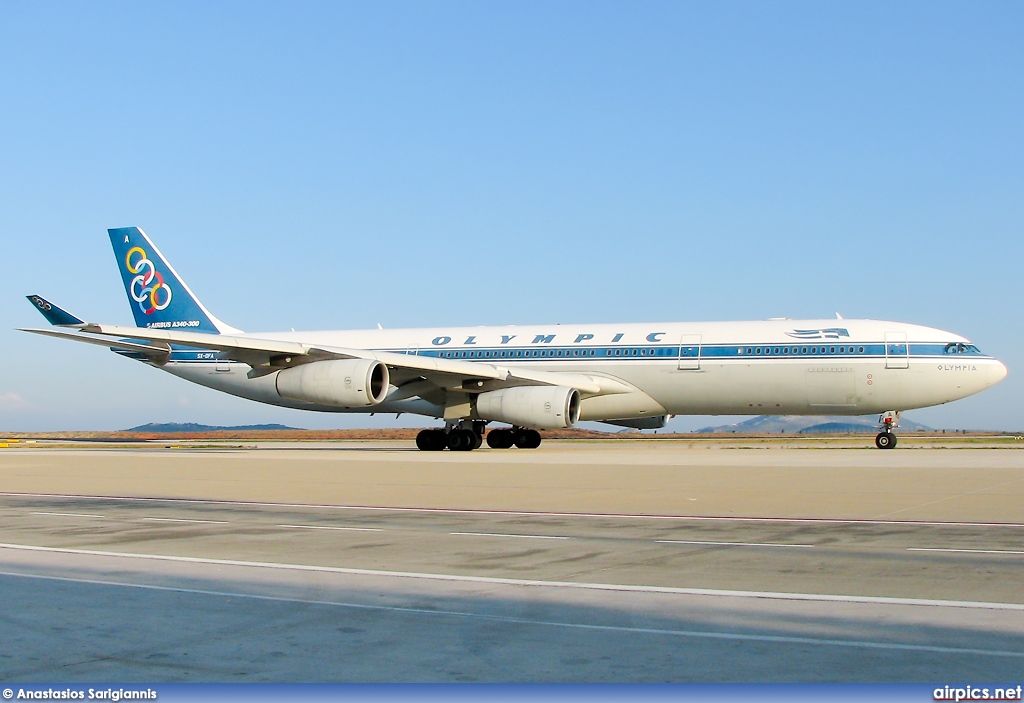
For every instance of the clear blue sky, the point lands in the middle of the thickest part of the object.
(334, 165)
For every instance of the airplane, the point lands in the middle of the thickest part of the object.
(634, 375)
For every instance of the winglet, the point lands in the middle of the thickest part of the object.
(53, 314)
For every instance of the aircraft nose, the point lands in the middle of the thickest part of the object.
(996, 373)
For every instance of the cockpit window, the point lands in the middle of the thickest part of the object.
(961, 348)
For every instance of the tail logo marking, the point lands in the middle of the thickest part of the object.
(143, 289)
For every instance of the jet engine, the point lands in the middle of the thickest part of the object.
(345, 383)
(536, 407)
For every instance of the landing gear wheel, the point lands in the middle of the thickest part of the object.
(431, 440)
(527, 439)
(462, 440)
(500, 439)
(885, 440)
(478, 440)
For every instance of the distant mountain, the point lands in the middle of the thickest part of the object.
(808, 424)
(177, 427)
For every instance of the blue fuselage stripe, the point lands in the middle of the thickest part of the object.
(716, 352)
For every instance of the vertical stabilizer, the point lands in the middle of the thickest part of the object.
(158, 296)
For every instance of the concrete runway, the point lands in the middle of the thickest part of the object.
(624, 561)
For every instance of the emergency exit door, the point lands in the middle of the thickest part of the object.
(689, 352)
(897, 351)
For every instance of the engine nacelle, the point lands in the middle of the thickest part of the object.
(535, 407)
(344, 383)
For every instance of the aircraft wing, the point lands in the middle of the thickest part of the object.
(268, 355)
(157, 352)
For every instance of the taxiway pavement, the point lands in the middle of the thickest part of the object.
(578, 562)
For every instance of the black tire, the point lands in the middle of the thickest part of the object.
(431, 441)
(500, 439)
(885, 440)
(478, 440)
(527, 439)
(461, 440)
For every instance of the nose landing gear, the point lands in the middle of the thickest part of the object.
(886, 439)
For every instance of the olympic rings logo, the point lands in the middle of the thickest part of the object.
(147, 288)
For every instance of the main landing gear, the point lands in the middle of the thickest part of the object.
(886, 439)
(504, 439)
(458, 440)
(469, 436)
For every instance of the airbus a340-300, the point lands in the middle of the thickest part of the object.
(538, 377)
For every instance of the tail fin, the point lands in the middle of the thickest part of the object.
(158, 296)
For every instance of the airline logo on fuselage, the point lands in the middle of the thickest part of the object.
(826, 333)
(148, 288)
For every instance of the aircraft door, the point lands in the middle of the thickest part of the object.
(897, 351)
(689, 352)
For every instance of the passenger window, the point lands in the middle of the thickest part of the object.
(831, 350)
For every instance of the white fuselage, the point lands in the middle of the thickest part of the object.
(793, 367)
